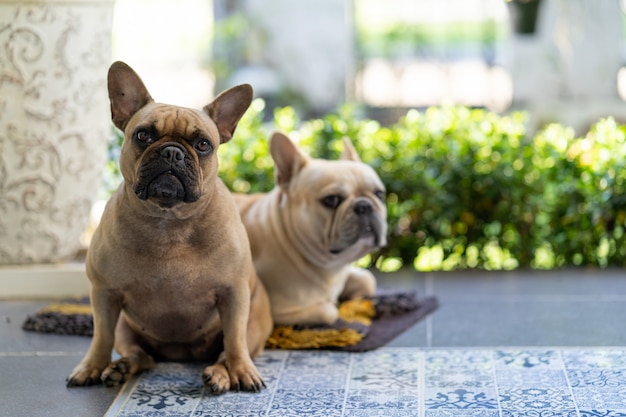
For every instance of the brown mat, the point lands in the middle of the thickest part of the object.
(364, 325)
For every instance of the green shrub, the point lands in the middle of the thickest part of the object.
(466, 188)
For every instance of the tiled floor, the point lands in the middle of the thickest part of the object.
(481, 312)
(390, 382)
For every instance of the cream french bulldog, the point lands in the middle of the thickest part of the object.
(170, 266)
(305, 234)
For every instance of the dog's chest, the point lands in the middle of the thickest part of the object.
(173, 305)
(181, 316)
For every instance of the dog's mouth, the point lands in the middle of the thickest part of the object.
(369, 235)
(166, 188)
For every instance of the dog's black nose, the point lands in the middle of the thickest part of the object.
(362, 208)
(173, 154)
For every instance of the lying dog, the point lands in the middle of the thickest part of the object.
(170, 266)
(304, 235)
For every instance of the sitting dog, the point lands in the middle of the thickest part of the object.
(170, 265)
(304, 234)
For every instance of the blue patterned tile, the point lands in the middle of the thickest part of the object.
(229, 413)
(460, 399)
(443, 377)
(461, 413)
(317, 359)
(305, 373)
(399, 379)
(303, 413)
(540, 413)
(145, 413)
(511, 378)
(387, 357)
(470, 359)
(155, 398)
(531, 398)
(169, 389)
(385, 370)
(528, 359)
(373, 412)
(387, 360)
(594, 359)
(164, 399)
(235, 401)
(602, 398)
(271, 362)
(307, 402)
(597, 378)
(312, 379)
(172, 375)
(529, 382)
(376, 399)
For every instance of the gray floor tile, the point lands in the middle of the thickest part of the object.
(33, 368)
(585, 282)
(528, 323)
(416, 336)
(34, 386)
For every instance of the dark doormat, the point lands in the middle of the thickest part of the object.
(365, 324)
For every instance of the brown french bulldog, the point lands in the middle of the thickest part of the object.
(170, 265)
(320, 217)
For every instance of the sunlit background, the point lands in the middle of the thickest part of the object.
(564, 64)
(391, 53)
(498, 126)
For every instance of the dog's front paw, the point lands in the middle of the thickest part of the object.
(216, 378)
(122, 369)
(84, 375)
(117, 373)
(244, 376)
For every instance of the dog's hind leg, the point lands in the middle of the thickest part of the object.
(134, 358)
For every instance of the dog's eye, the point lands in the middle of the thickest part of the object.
(380, 194)
(143, 137)
(332, 201)
(203, 146)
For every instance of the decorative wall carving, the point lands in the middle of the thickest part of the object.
(54, 124)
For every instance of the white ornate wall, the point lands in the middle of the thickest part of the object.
(54, 123)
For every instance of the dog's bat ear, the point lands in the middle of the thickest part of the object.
(349, 153)
(228, 108)
(127, 93)
(287, 158)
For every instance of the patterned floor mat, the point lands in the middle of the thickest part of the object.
(398, 382)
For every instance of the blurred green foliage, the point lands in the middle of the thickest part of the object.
(466, 188)
(400, 40)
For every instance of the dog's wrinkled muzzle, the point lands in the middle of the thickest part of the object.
(167, 176)
(364, 226)
(166, 187)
